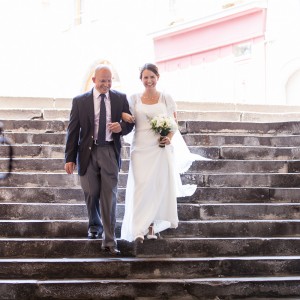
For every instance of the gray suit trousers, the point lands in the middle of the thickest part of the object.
(100, 187)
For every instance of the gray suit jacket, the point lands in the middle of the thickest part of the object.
(80, 133)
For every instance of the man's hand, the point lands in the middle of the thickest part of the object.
(115, 127)
(70, 167)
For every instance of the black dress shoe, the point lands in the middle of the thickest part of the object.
(93, 235)
(111, 250)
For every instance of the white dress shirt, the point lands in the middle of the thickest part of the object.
(97, 99)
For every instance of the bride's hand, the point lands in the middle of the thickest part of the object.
(128, 118)
(165, 140)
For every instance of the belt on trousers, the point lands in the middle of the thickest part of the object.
(106, 143)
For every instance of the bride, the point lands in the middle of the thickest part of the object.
(154, 182)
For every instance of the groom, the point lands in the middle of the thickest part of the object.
(93, 141)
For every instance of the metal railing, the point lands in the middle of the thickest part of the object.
(5, 141)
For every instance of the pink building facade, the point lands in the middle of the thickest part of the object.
(229, 56)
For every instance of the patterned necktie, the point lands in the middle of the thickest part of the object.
(102, 122)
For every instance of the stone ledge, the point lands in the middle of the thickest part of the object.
(236, 107)
(182, 115)
(65, 103)
(34, 102)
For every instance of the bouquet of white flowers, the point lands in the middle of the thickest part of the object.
(163, 125)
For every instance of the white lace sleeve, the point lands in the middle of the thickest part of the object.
(171, 104)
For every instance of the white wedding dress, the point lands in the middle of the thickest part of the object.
(154, 182)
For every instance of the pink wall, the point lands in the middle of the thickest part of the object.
(208, 41)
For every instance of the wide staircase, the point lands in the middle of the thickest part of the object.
(238, 236)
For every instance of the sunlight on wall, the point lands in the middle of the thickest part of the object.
(50, 47)
(54, 57)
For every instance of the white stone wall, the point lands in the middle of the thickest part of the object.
(283, 52)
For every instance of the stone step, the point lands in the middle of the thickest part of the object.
(210, 247)
(246, 166)
(44, 194)
(36, 114)
(219, 228)
(206, 167)
(147, 268)
(166, 247)
(207, 180)
(225, 194)
(235, 107)
(218, 236)
(33, 138)
(259, 152)
(34, 164)
(237, 116)
(182, 114)
(218, 140)
(186, 212)
(274, 128)
(201, 195)
(31, 150)
(34, 103)
(236, 228)
(63, 114)
(243, 166)
(38, 126)
(57, 151)
(218, 152)
(185, 126)
(201, 140)
(47, 211)
(172, 289)
(20, 113)
(41, 179)
(48, 103)
(246, 180)
(246, 211)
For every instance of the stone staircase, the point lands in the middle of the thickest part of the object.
(238, 238)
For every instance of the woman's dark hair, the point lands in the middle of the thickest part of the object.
(151, 67)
